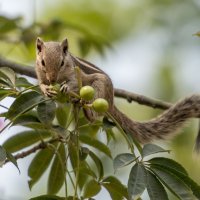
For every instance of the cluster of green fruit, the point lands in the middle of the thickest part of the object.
(87, 93)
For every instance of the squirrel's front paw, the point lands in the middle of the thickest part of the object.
(64, 87)
(48, 90)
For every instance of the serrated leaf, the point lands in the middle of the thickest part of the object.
(168, 164)
(136, 181)
(149, 149)
(174, 184)
(48, 197)
(98, 164)
(57, 172)
(2, 156)
(24, 139)
(92, 188)
(96, 144)
(12, 159)
(122, 160)
(39, 165)
(46, 111)
(23, 103)
(115, 188)
(155, 188)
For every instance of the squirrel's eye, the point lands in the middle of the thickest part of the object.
(43, 63)
(62, 63)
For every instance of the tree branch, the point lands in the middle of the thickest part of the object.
(18, 68)
(141, 99)
(41, 145)
(129, 96)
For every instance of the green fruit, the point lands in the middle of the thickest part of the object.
(87, 93)
(100, 105)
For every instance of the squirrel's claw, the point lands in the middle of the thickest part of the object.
(64, 87)
(47, 90)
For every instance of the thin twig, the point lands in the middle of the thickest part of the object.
(41, 145)
(129, 96)
(141, 99)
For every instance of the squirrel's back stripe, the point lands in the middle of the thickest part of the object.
(87, 65)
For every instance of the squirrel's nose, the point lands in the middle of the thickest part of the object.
(53, 82)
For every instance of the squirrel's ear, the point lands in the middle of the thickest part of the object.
(39, 44)
(64, 45)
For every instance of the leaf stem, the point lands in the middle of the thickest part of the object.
(76, 116)
(122, 131)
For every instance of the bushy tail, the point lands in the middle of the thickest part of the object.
(165, 124)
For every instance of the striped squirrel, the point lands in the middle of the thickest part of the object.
(55, 64)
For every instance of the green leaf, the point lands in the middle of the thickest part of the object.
(48, 197)
(136, 181)
(5, 93)
(12, 159)
(57, 172)
(23, 82)
(82, 179)
(108, 124)
(168, 164)
(96, 144)
(9, 75)
(84, 46)
(2, 156)
(115, 188)
(35, 125)
(83, 153)
(46, 111)
(23, 103)
(175, 168)
(8, 24)
(174, 184)
(74, 198)
(86, 169)
(122, 160)
(110, 135)
(24, 139)
(149, 149)
(155, 188)
(98, 164)
(73, 155)
(26, 118)
(39, 165)
(62, 113)
(91, 189)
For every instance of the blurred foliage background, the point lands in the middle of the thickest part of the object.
(145, 46)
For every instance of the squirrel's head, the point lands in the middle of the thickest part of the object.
(51, 58)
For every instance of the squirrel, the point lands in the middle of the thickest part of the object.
(55, 64)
